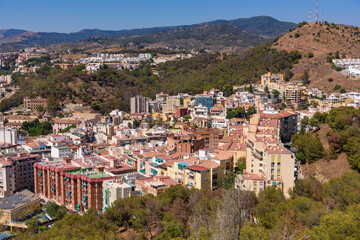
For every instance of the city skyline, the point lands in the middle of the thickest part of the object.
(69, 16)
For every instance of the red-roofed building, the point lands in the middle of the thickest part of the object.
(287, 121)
(154, 185)
(74, 187)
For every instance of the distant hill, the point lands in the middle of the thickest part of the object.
(322, 40)
(264, 27)
(213, 37)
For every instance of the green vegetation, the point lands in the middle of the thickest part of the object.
(35, 128)
(314, 211)
(67, 129)
(36, 61)
(308, 147)
(109, 89)
(8, 65)
(56, 211)
(238, 112)
(337, 87)
(344, 136)
(310, 55)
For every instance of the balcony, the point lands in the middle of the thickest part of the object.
(257, 155)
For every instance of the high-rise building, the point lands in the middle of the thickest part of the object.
(17, 173)
(8, 136)
(76, 188)
(268, 162)
(139, 104)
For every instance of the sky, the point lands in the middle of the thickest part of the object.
(75, 15)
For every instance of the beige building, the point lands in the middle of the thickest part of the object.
(170, 105)
(268, 162)
(266, 79)
(35, 103)
(114, 190)
(139, 104)
(198, 177)
(293, 94)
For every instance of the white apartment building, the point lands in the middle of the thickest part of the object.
(8, 136)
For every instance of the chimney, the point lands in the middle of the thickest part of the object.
(67, 160)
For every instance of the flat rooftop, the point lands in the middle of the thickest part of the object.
(18, 199)
(90, 173)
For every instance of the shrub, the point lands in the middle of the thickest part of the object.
(337, 87)
(330, 80)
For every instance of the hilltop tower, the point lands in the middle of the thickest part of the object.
(317, 11)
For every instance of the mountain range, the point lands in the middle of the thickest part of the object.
(238, 32)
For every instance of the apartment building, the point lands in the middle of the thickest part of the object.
(17, 173)
(268, 162)
(204, 100)
(293, 94)
(114, 190)
(76, 188)
(170, 105)
(60, 151)
(8, 135)
(198, 177)
(181, 112)
(154, 185)
(185, 143)
(269, 77)
(35, 103)
(211, 136)
(287, 123)
(139, 104)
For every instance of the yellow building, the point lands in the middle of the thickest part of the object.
(200, 122)
(198, 177)
(269, 77)
(187, 102)
(170, 105)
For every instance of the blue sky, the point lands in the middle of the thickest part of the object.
(74, 15)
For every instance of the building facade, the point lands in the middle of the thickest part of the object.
(76, 188)
(16, 173)
(8, 136)
(139, 104)
(35, 103)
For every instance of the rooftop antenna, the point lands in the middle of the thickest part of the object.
(309, 15)
(317, 11)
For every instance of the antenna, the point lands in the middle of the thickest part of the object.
(317, 11)
(309, 15)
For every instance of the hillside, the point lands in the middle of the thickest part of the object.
(326, 169)
(262, 27)
(321, 40)
(216, 38)
(109, 89)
